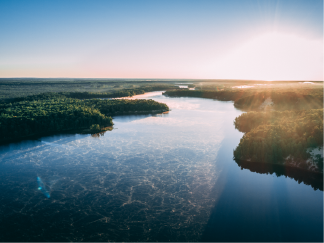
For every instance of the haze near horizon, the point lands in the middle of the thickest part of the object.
(237, 39)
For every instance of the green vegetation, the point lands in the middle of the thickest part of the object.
(33, 107)
(273, 136)
(117, 93)
(212, 94)
(54, 113)
(191, 85)
(36, 117)
(123, 106)
(253, 100)
(95, 128)
(281, 101)
(79, 88)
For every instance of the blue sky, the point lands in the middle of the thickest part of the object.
(162, 39)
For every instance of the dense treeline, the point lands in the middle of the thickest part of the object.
(212, 94)
(273, 136)
(91, 95)
(252, 100)
(117, 93)
(28, 118)
(84, 89)
(281, 101)
(120, 106)
(52, 113)
(79, 95)
(113, 94)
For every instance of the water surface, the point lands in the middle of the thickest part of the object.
(167, 177)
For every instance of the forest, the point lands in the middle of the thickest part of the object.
(79, 88)
(52, 113)
(212, 94)
(249, 100)
(281, 137)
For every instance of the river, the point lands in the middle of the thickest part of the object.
(164, 177)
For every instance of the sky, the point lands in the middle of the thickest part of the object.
(217, 39)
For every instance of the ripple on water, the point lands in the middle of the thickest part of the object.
(144, 181)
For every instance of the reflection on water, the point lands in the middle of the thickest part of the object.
(152, 178)
(98, 134)
(148, 179)
(315, 180)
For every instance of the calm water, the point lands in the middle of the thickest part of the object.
(167, 177)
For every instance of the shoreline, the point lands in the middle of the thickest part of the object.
(51, 133)
(285, 165)
(312, 178)
(84, 130)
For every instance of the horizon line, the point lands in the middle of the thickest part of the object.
(156, 79)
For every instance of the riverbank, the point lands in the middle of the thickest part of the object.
(256, 100)
(37, 136)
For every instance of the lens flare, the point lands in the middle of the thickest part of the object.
(42, 188)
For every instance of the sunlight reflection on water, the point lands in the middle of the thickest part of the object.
(152, 178)
(155, 176)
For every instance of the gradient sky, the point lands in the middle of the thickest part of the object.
(233, 39)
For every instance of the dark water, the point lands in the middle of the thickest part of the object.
(167, 177)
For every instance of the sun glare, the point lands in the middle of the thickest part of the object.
(273, 56)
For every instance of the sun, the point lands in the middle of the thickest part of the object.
(273, 56)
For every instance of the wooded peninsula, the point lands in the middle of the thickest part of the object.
(52, 113)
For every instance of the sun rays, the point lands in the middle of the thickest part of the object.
(273, 56)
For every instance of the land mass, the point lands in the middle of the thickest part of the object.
(53, 113)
